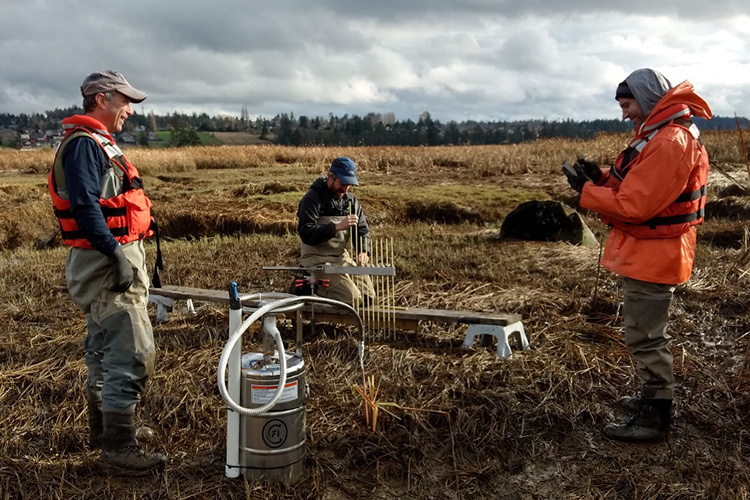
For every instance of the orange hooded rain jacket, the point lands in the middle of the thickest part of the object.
(672, 163)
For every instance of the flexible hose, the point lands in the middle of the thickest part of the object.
(262, 311)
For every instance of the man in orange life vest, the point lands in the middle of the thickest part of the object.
(104, 216)
(652, 198)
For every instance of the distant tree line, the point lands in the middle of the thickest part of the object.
(372, 129)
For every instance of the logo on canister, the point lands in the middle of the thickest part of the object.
(274, 433)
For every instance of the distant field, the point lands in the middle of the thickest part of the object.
(165, 136)
(238, 138)
(213, 139)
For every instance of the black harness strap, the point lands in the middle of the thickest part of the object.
(683, 218)
(79, 235)
(697, 194)
(675, 219)
(159, 264)
(106, 212)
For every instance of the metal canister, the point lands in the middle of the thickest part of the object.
(272, 445)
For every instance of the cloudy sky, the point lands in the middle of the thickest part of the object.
(458, 60)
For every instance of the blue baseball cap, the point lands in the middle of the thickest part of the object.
(345, 171)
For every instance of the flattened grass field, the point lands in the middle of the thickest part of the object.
(455, 423)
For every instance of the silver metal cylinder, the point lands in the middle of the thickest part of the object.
(272, 445)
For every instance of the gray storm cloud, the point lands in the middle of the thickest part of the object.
(476, 59)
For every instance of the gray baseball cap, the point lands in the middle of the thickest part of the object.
(107, 81)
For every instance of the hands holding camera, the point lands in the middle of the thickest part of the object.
(581, 172)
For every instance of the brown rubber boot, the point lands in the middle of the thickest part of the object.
(649, 425)
(121, 453)
(96, 424)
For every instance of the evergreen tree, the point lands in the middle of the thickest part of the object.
(181, 132)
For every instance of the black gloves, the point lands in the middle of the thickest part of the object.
(576, 176)
(580, 172)
(590, 168)
(123, 271)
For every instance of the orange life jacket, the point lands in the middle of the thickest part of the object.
(128, 214)
(689, 207)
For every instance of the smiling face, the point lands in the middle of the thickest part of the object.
(631, 110)
(112, 112)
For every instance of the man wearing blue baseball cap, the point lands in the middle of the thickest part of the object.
(331, 221)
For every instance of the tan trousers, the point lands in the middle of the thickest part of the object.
(119, 343)
(646, 314)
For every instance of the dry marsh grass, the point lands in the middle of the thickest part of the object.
(479, 426)
(723, 147)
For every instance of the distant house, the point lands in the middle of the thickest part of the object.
(126, 138)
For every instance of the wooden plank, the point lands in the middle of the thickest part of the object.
(422, 314)
(409, 315)
(450, 316)
(199, 294)
(348, 319)
(186, 292)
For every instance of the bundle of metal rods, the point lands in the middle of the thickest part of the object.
(377, 312)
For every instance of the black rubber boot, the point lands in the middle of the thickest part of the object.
(96, 421)
(631, 403)
(121, 453)
(649, 425)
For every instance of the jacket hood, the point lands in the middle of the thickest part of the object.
(684, 94)
(648, 87)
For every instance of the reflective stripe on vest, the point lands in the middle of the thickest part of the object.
(674, 220)
(111, 149)
(635, 147)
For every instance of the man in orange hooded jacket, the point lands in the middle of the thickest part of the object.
(652, 198)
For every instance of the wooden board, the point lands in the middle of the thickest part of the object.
(186, 292)
(414, 315)
(450, 316)
(348, 319)
(409, 316)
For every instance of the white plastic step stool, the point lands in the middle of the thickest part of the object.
(163, 304)
(501, 333)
